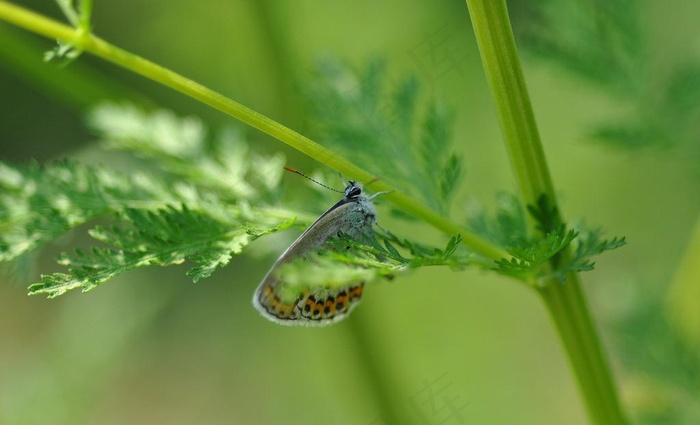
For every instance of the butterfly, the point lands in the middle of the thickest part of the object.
(353, 215)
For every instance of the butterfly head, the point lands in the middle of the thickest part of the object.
(353, 191)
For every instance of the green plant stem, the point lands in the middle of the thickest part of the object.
(564, 301)
(85, 15)
(78, 87)
(87, 42)
(567, 308)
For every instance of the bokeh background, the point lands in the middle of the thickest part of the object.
(151, 347)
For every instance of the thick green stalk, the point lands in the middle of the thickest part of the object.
(564, 301)
(87, 42)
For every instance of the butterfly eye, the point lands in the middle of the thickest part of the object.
(353, 192)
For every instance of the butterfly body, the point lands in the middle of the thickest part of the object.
(353, 215)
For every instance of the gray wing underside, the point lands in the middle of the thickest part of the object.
(329, 224)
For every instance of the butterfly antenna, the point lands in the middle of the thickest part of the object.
(295, 171)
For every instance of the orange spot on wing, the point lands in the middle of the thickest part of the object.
(330, 303)
(355, 292)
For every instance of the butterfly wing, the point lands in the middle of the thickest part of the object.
(324, 305)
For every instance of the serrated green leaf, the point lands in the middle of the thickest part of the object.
(163, 237)
(505, 227)
(387, 129)
(546, 215)
(603, 43)
(182, 148)
(367, 258)
(600, 42)
(392, 249)
(41, 202)
(152, 220)
(530, 256)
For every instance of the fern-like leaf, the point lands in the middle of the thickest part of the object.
(604, 44)
(506, 226)
(38, 203)
(344, 260)
(528, 260)
(155, 218)
(536, 258)
(181, 147)
(599, 41)
(147, 238)
(388, 130)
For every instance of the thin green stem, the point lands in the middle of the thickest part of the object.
(567, 308)
(565, 302)
(80, 86)
(85, 15)
(98, 47)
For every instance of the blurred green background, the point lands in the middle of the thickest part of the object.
(151, 347)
